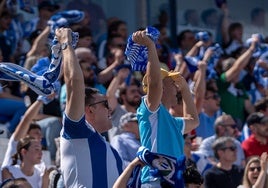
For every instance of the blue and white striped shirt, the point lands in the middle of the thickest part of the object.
(87, 160)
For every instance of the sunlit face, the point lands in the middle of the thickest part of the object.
(133, 95)
(34, 153)
(100, 113)
(253, 172)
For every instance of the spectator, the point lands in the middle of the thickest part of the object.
(224, 173)
(231, 88)
(24, 128)
(115, 27)
(186, 40)
(156, 124)
(128, 142)
(86, 115)
(45, 10)
(260, 106)
(210, 111)
(210, 18)
(85, 38)
(253, 178)
(234, 38)
(257, 23)
(29, 151)
(122, 97)
(224, 126)
(191, 18)
(257, 142)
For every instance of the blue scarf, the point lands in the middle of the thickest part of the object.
(168, 168)
(44, 80)
(138, 54)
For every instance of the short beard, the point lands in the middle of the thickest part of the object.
(133, 103)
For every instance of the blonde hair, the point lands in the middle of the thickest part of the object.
(246, 182)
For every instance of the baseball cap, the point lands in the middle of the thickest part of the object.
(256, 117)
(48, 4)
(164, 74)
(127, 118)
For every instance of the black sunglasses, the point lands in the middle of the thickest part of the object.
(252, 169)
(232, 148)
(215, 97)
(104, 102)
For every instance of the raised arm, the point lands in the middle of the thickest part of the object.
(113, 87)
(189, 110)
(242, 61)
(73, 77)
(154, 80)
(25, 122)
(200, 81)
(123, 179)
(107, 74)
(40, 42)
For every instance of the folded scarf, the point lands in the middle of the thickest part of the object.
(169, 169)
(43, 81)
(138, 54)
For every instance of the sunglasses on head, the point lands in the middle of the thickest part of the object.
(104, 102)
(232, 148)
(252, 169)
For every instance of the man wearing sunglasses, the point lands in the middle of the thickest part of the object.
(224, 173)
(224, 126)
(87, 160)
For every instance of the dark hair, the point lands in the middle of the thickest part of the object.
(261, 104)
(33, 126)
(234, 26)
(113, 27)
(255, 12)
(206, 13)
(83, 31)
(182, 34)
(89, 95)
(24, 143)
(123, 89)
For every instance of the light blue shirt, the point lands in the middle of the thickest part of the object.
(160, 132)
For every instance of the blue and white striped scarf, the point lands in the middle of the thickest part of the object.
(138, 54)
(43, 82)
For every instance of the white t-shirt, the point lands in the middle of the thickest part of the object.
(35, 180)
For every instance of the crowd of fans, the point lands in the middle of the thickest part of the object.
(206, 99)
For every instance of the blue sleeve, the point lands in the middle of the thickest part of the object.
(75, 129)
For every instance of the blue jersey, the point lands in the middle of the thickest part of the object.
(160, 132)
(87, 160)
